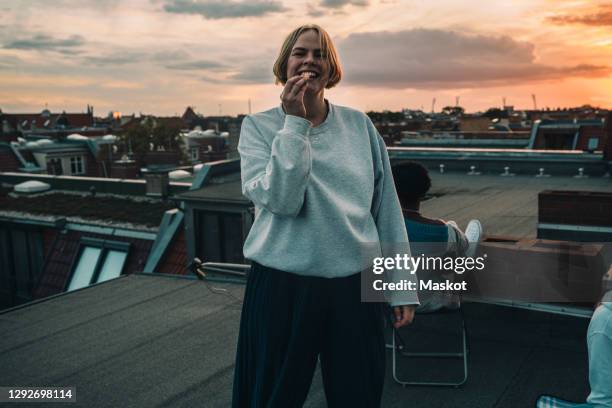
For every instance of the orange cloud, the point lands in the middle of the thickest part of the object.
(601, 17)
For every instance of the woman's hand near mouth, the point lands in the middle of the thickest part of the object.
(292, 96)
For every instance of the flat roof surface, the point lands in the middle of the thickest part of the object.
(100, 207)
(505, 206)
(154, 341)
(230, 192)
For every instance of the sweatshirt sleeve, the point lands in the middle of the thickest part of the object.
(274, 176)
(387, 214)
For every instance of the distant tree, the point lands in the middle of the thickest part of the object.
(149, 135)
(453, 110)
(386, 117)
(138, 138)
(167, 137)
(495, 113)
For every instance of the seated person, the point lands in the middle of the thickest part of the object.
(599, 343)
(441, 238)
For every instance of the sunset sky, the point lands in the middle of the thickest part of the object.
(159, 56)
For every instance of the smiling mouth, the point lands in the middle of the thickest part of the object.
(309, 74)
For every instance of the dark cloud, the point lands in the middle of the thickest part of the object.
(45, 42)
(342, 3)
(170, 56)
(603, 17)
(423, 58)
(196, 65)
(218, 9)
(117, 58)
(132, 56)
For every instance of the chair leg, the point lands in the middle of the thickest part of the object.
(463, 355)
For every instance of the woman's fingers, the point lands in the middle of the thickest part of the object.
(397, 311)
(290, 84)
(296, 88)
(293, 96)
(403, 315)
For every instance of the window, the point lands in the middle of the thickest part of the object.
(98, 261)
(220, 236)
(21, 262)
(593, 143)
(76, 165)
(54, 167)
(194, 154)
(84, 270)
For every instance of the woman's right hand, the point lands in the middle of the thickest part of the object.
(292, 96)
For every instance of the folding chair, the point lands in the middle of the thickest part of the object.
(399, 350)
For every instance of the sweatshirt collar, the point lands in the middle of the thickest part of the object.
(317, 129)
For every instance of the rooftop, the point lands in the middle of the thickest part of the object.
(230, 192)
(101, 207)
(153, 341)
(506, 206)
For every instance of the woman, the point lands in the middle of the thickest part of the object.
(320, 179)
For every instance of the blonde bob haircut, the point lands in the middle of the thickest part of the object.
(327, 49)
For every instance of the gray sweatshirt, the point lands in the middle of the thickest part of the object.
(324, 196)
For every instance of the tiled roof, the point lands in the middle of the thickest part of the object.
(61, 250)
(175, 261)
(8, 161)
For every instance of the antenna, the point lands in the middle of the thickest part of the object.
(249, 106)
(433, 105)
(503, 102)
(535, 104)
(457, 100)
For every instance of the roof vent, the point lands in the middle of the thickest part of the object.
(31, 186)
(178, 174)
(157, 184)
(76, 136)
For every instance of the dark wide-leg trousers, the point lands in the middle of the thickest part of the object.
(288, 321)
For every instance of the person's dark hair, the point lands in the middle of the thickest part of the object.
(412, 181)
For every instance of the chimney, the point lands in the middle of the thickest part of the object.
(157, 183)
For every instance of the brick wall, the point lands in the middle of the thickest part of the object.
(575, 208)
(589, 132)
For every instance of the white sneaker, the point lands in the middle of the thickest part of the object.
(473, 233)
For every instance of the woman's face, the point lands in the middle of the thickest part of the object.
(306, 56)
